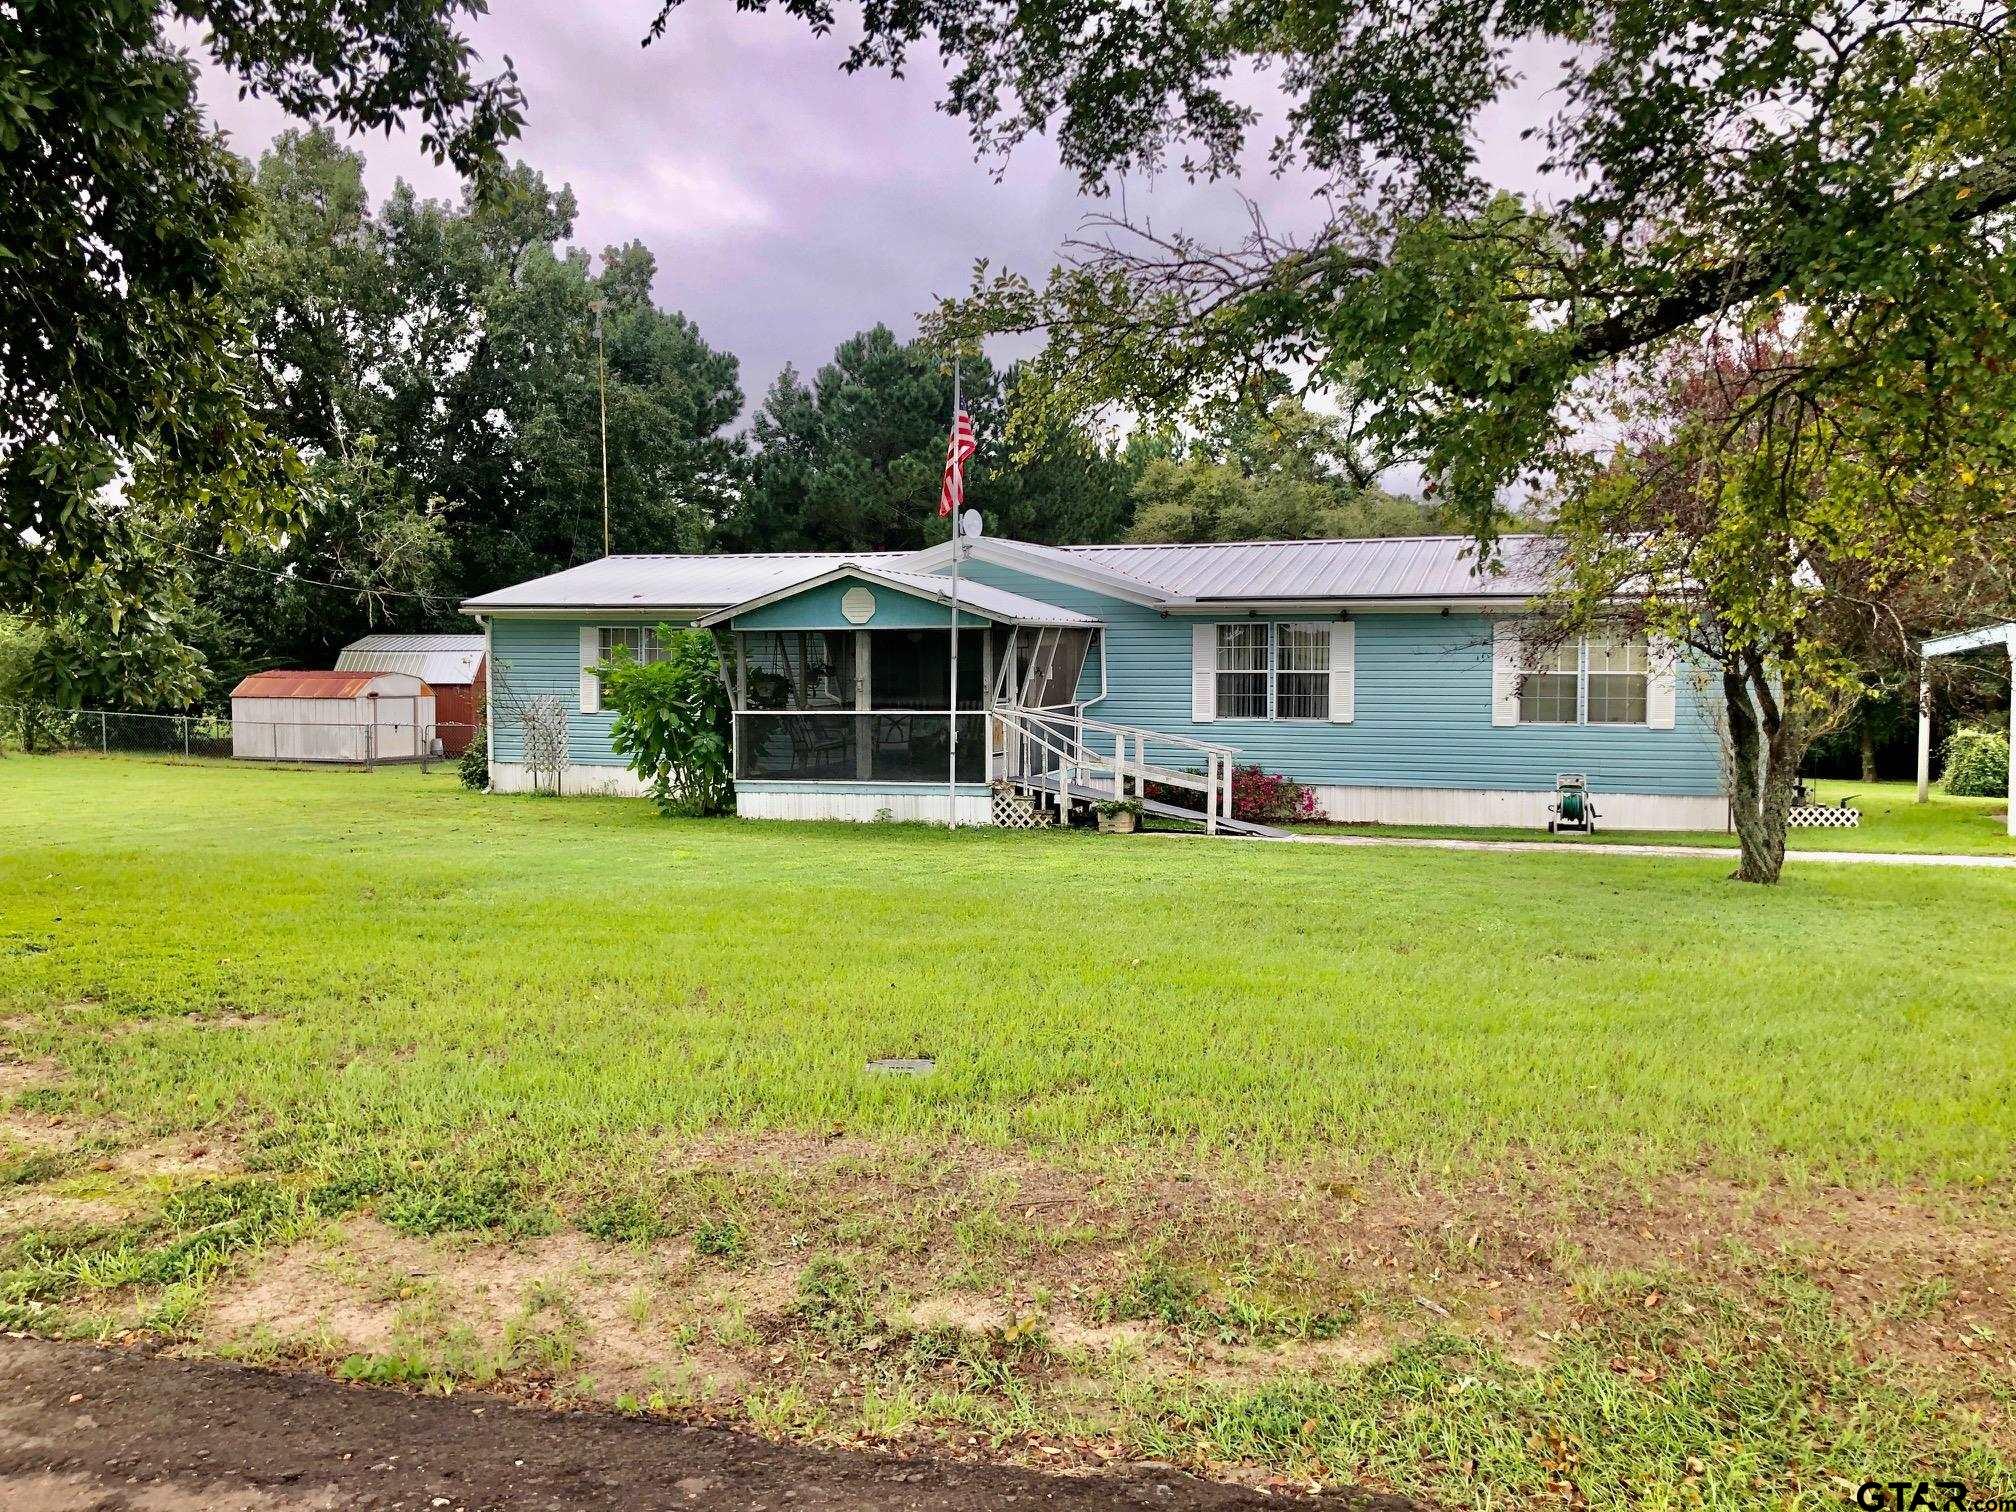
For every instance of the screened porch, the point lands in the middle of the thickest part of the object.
(875, 705)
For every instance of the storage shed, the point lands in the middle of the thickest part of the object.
(353, 717)
(451, 665)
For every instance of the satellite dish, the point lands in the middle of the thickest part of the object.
(969, 524)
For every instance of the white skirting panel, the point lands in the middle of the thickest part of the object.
(1480, 808)
(576, 781)
(838, 803)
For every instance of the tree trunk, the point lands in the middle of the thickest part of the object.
(1766, 750)
(1866, 736)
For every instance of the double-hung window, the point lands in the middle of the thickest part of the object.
(1244, 663)
(1596, 679)
(1274, 671)
(641, 641)
(1616, 680)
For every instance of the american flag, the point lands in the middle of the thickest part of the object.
(952, 492)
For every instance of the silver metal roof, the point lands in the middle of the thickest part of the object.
(1393, 568)
(1390, 567)
(673, 582)
(447, 660)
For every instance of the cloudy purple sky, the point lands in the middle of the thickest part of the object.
(789, 204)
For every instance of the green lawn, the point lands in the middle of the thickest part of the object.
(1892, 820)
(1181, 1086)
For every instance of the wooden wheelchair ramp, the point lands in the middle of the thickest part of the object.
(1086, 793)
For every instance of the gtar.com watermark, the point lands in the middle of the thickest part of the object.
(1930, 1496)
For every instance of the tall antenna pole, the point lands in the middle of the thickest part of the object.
(602, 397)
(958, 509)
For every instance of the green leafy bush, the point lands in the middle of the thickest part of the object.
(474, 768)
(1977, 762)
(672, 721)
(24, 723)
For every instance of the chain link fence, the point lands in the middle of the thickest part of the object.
(42, 728)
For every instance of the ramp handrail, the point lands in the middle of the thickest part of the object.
(1055, 739)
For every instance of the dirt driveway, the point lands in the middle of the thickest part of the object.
(121, 1432)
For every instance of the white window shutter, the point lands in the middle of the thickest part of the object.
(1203, 673)
(1662, 665)
(1505, 658)
(591, 685)
(1343, 671)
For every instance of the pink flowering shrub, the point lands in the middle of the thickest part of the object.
(1258, 796)
(1265, 798)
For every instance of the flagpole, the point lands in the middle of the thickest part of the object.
(958, 508)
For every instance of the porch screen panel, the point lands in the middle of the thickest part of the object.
(915, 747)
(796, 747)
(800, 669)
(853, 748)
(911, 669)
(1053, 668)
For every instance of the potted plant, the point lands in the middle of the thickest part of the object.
(1118, 816)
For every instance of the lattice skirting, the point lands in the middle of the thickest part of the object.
(1822, 816)
(1014, 810)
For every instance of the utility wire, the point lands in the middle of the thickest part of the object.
(295, 577)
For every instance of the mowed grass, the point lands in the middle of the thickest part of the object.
(540, 985)
(1504, 1179)
(1893, 820)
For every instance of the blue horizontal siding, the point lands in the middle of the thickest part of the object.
(529, 659)
(1423, 709)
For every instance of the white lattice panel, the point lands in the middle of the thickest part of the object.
(1822, 816)
(1018, 811)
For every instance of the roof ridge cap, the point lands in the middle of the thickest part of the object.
(1510, 535)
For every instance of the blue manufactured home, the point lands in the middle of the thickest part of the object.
(1387, 674)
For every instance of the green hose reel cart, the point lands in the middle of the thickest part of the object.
(1572, 812)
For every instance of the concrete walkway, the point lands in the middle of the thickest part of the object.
(1699, 852)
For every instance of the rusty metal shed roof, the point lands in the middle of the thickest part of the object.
(327, 685)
